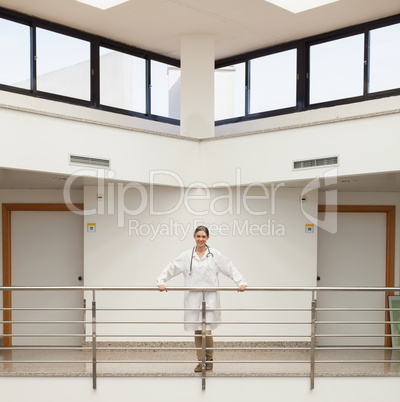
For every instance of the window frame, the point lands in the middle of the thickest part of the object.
(378, 25)
(284, 110)
(95, 43)
(341, 101)
(303, 68)
(27, 23)
(246, 84)
(34, 77)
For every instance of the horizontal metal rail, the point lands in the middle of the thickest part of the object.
(210, 322)
(196, 322)
(214, 336)
(44, 309)
(46, 335)
(355, 309)
(207, 289)
(214, 362)
(45, 348)
(358, 322)
(164, 348)
(353, 348)
(195, 309)
(357, 335)
(194, 361)
(356, 361)
(46, 361)
(208, 309)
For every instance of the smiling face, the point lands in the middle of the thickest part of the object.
(200, 238)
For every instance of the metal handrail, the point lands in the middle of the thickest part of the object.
(94, 322)
(210, 289)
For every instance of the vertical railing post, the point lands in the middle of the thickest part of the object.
(313, 340)
(94, 346)
(203, 342)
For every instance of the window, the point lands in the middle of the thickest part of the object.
(165, 90)
(384, 53)
(230, 91)
(63, 64)
(122, 80)
(132, 83)
(273, 81)
(15, 65)
(337, 69)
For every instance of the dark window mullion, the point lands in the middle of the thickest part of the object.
(33, 77)
(302, 68)
(148, 87)
(247, 86)
(307, 78)
(366, 62)
(95, 73)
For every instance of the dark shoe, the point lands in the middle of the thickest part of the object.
(209, 366)
(198, 368)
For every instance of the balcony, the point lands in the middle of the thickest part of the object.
(300, 335)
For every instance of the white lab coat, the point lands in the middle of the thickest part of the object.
(204, 274)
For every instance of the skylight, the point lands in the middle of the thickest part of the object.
(298, 6)
(102, 4)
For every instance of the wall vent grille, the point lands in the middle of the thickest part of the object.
(88, 161)
(312, 163)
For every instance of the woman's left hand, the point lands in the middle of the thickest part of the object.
(242, 288)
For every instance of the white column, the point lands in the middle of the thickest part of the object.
(197, 85)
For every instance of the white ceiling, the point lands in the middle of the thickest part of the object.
(238, 26)
(23, 179)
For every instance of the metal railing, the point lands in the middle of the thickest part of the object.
(311, 329)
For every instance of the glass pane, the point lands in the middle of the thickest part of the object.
(63, 64)
(122, 80)
(384, 53)
(15, 54)
(337, 69)
(165, 90)
(273, 81)
(230, 91)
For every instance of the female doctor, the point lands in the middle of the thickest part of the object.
(200, 267)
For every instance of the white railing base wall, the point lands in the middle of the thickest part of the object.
(277, 389)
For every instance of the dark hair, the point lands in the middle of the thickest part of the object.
(202, 229)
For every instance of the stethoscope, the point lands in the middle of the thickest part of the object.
(209, 253)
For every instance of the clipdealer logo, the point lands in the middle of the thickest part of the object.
(187, 196)
(219, 199)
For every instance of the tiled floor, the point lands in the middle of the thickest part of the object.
(180, 362)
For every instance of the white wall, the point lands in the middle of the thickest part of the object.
(364, 145)
(282, 254)
(62, 109)
(133, 154)
(276, 389)
(328, 114)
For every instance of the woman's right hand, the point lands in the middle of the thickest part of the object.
(162, 287)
